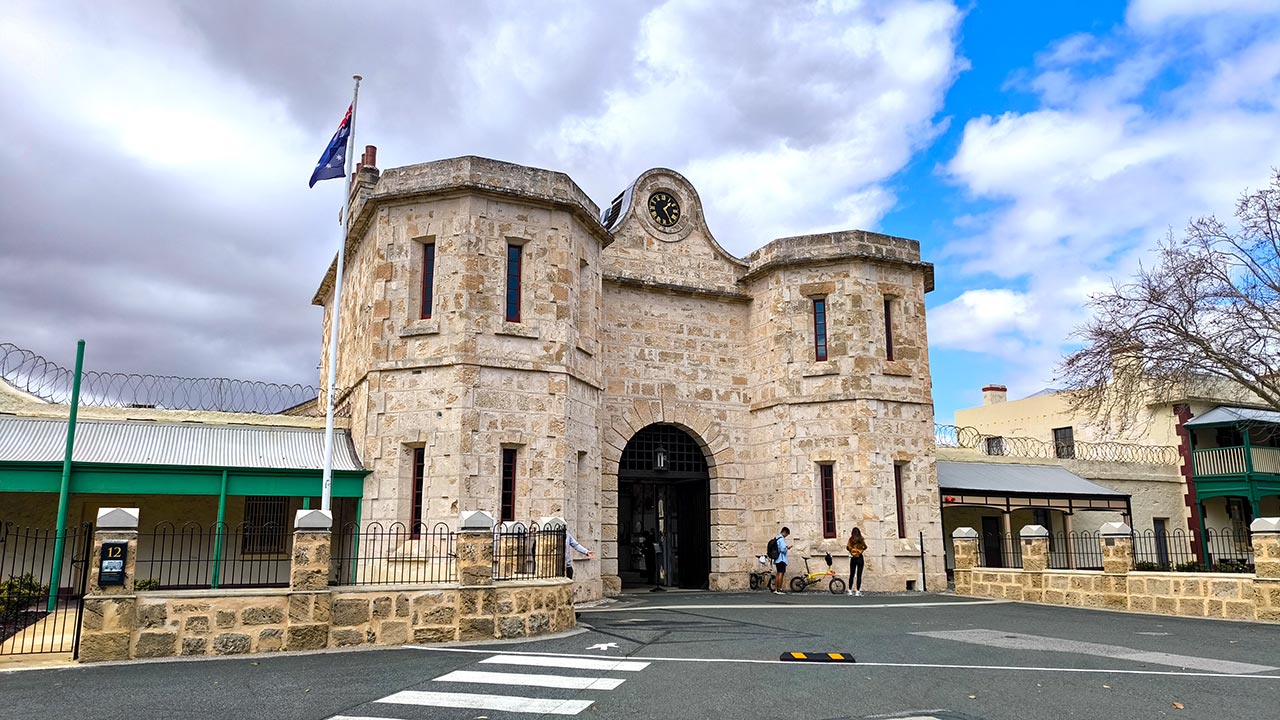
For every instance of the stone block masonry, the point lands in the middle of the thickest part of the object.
(121, 624)
(1233, 596)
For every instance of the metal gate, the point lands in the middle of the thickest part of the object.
(40, 604)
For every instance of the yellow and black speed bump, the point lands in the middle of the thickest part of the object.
(817, 657)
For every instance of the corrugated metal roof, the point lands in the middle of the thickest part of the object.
(1220, 415)
(151, 443)
(1010, 478)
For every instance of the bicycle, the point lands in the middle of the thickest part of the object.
(800, 583)
(763, 578)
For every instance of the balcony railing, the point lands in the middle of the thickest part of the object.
(1234, 461)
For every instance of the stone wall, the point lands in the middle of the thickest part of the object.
(122, 624)
(1254, 596)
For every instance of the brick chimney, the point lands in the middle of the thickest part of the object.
(994, 394)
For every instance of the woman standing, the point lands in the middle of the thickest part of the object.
(856, 546)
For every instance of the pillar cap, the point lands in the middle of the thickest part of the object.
(117, 519)
(552, 521)
(964, 533)
(1266, 526)
(1114, 529)
(1034, 531)
(475, 520)
(312, 520)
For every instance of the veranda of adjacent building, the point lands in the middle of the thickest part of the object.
(999, 499)
(192, 483)
(1236, 467)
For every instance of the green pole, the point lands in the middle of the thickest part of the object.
(220, 527)
(355, 541)
(65, 491)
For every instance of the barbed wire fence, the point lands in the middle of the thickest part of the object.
(30, 373)
(970, 438)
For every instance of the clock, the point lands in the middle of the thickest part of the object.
(664, 208)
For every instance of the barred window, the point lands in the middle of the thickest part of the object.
(888, 328)
(419, 476)
(508, 484)
(826, 477)
(819, 328)
(265, 525)
(1064, 443)
(514, 268)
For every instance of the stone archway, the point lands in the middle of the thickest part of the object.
(727, 534)
(664, 510)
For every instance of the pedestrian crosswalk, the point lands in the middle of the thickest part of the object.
(517, 679)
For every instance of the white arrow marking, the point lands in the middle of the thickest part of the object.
(603, 646)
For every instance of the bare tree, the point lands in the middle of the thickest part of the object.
(1204, 316)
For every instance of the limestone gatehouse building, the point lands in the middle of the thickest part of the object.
(507, 346)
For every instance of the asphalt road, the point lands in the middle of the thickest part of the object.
(717, 656)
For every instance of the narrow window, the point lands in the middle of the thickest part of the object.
(827, 480)
(428, 278)
(819, 328)
(513, 283)
(419, 474)
(1064, 443)
(264, 525)
(897, 492)
(888, 328)
(508, 484)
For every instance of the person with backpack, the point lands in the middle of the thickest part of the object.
(856, 547)
(777, 552)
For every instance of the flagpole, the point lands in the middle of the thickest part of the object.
(335, 314)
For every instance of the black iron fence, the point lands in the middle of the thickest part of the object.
(192, 556)
(1226, 550)
(393, 554)
(1075, 551)
(999, 550)
(528, 552)
(41, 597)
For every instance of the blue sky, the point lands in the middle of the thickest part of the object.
(155, 195)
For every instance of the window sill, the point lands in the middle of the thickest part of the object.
(512, 329)
(414, 328)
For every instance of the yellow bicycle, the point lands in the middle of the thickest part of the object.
(800, 583)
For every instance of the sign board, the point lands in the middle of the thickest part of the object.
(111, 564)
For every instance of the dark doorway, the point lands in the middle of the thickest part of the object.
(993, 541)
(664, 510)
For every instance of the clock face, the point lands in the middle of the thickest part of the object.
(664, 209)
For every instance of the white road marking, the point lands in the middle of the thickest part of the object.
(775, 606)
(1019, 641)
(603, 646)
(567, 682)
(475, 701)
(576, 662)
(855, 666)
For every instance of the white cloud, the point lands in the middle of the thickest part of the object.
(1146, 13)
(1173, 125)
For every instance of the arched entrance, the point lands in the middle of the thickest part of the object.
(664, 510)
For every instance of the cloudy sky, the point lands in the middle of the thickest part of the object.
(155, 199)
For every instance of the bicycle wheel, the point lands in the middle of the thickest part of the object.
(772, 580)
(797, 584)
(836, 586)
(755, 581)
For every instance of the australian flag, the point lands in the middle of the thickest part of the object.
(333, 163)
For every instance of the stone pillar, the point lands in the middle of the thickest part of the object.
(1035, 560)
(310, 604)
(550, 560)
(1006, 537)
(310, 566)
(965, 543)
(110, 613)
(1067, 530)
(475, 576)
(1117, 560)
(1266, 563)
